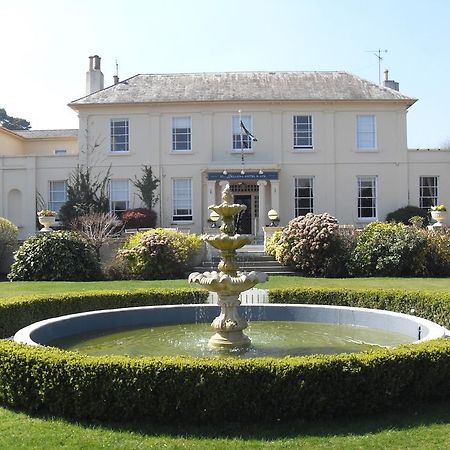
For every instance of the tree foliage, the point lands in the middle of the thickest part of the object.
(147, 186)
(13, 123)
(86, 194)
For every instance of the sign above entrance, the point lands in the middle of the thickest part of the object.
(239, 176)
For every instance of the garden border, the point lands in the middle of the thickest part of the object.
(199, 390)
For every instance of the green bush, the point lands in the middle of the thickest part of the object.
(44, 379)
(56, 256)
(389, 249)
(159, 253)
(272, 243)
(403, 215)
(312, 244)
(437, 254)
(8, 236)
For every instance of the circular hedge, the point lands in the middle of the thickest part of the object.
(195, 390)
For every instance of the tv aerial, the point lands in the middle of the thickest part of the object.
(378, 53)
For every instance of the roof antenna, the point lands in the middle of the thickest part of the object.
(116, 76)
(378, 53)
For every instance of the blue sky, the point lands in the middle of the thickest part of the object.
(46, 45)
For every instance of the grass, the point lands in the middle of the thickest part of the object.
(427, 427)
(18, 288)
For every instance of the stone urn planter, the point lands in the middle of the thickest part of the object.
(47, 219)
(440, 217)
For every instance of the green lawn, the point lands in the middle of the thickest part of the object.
(427, 427)
(17, 288)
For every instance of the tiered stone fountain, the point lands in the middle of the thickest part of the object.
(228, 282)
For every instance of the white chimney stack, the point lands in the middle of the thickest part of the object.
(94, 76)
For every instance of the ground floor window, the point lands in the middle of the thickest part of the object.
(119, 196)
(182, 199)
(303, 195)
(367, 197)
(57, 194)
(428, 192)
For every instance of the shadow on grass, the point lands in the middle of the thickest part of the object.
(419, 415)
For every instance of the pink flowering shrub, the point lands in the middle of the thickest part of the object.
(314, 246)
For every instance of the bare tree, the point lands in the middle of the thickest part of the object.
(97, 229)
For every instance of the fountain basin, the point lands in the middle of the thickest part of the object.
(46, 331)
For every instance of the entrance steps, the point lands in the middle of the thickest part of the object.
(251, 257)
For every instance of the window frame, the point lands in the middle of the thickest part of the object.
(188, 134)
(178, 217)
(112, 208)
(310, 131)
(247, 120)
(51, 192)
(360, 133)
(360, 198)
(434, 186)
(112, 136)
(297, 198)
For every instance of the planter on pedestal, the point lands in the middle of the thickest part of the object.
(47, 222)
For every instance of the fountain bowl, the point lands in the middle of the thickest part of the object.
(45, 331)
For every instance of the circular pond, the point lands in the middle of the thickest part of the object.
(275, 330)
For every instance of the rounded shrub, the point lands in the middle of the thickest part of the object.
(437, 255)
(389, 249)
(159, 253)
(8, 236)
(272, 243)
(56, 256)
(403, 215)
(313, 245)
(139, 218)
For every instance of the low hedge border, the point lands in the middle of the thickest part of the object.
(434, 306)
(198, 390)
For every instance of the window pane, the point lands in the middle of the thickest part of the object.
(119, 135)
(366, 133)
(182, 199)
(119, 195)
(428, 192)
(303, 196)
(181, 133)
(57, 194)
(303, 132)
(367, 198)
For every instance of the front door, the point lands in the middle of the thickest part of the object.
(244, 220)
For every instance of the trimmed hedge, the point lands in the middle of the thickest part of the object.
(195, 389)
(20, 312)
(434, 306)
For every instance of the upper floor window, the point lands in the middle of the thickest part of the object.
(367, 198)
(57, 194)
(119, 135)
(119, 196)
(303, 196)
(181, 133)
(366, 132)
(242, 134)
(181, 199)
(303, 132)
(428, 192)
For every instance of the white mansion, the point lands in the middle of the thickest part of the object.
(326, 141)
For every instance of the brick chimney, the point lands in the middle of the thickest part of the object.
(94, 76)
(390, 83)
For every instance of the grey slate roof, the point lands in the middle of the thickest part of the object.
(43, 134)
(242, 86)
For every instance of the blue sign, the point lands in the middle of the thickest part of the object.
(239, 176)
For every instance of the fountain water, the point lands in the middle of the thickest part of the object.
(229, 282)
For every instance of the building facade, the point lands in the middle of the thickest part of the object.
(295, 142)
